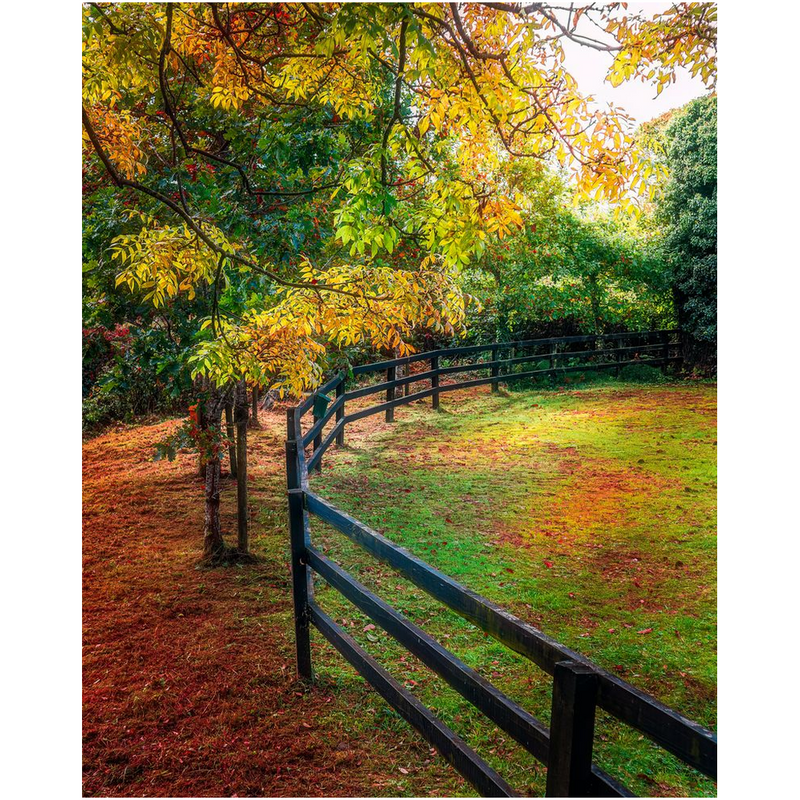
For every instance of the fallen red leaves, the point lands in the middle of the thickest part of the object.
(189, 683)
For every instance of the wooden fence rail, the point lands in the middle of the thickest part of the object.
(579, 685)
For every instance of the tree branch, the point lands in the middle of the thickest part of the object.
(121, 181)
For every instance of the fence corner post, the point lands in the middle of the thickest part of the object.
(301, 577)
(435, 381)
(340, 388)
(569, 767)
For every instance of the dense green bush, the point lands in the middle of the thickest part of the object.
(568, 271)
(129, 371)
(688, 212)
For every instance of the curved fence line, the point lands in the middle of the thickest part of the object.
(579, 686)
(653, 348)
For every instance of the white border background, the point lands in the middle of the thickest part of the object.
(758, 442)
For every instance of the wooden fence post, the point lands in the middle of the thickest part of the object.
(317, 445)
(301, 578)
(391, 375)
(569, 763)
(553, 352)
(619, 356)
(665, 350)
(495, 369)
(340, 387)
(435, 382)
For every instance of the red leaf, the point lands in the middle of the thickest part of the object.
(548, 564)
(645, 630)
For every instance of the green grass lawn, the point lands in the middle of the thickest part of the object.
(590, 514)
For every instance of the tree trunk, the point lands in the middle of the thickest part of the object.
(241, 417)
(254, 423)
(213, 543)
(230, 432)
(202, 424)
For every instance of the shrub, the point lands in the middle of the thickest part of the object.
(642, 373)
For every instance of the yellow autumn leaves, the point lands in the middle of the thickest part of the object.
(164, 261)
(282, 346)
(444, 96)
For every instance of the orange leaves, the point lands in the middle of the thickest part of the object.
(120, 135)
(501, 216)
(265, 350)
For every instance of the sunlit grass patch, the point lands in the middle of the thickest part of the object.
(590, 514)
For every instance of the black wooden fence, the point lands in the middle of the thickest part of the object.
(579, 686)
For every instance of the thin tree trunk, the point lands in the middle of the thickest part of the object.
(241, 414)
(254, 423)
(202, 422)
(213, 543)
(230, 431)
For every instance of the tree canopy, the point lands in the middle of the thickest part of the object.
(684, 141)
(294, 175)
(688, 210)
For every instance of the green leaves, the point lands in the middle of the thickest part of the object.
(688, 214)
(379, 140)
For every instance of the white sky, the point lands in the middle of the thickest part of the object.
(589, 68)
